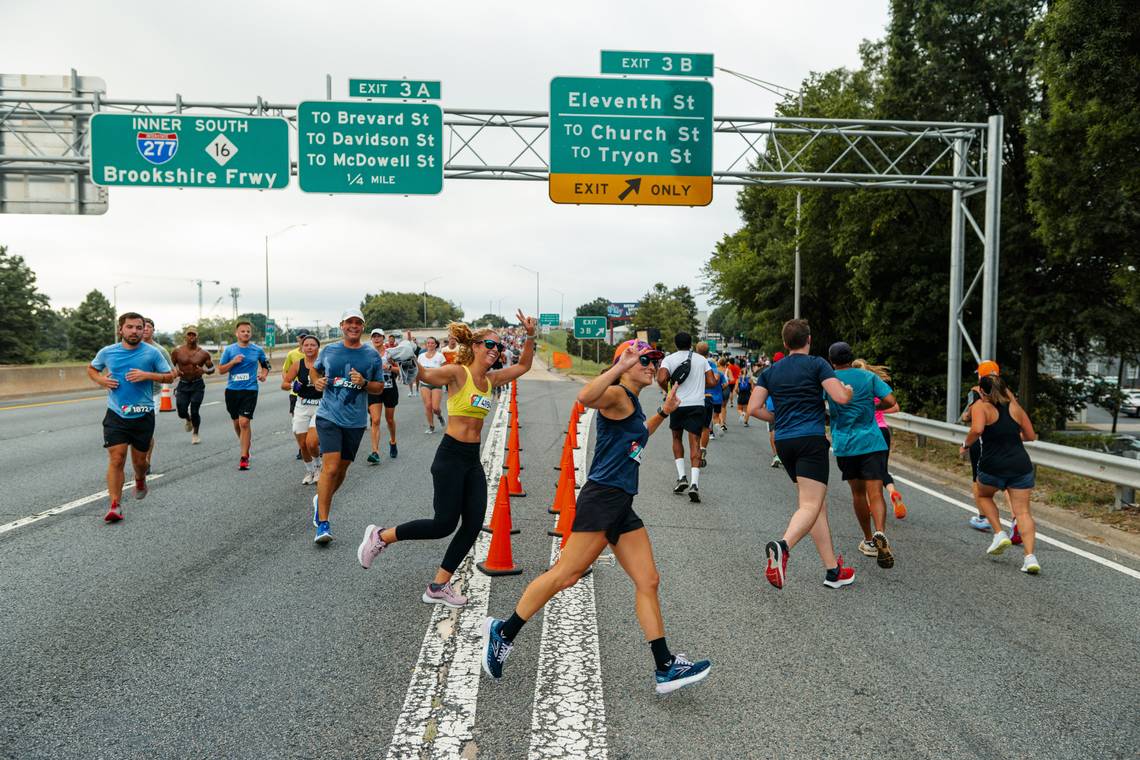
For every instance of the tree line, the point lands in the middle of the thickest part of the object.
(1065, 76)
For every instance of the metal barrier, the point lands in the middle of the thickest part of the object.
(1121, 472)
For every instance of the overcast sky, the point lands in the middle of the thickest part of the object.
(487, 55)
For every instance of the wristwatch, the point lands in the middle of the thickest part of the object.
(661, 411)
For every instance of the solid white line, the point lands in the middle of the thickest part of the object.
(61, 509)
(1042, 538)
(439, 715)
(569, 716)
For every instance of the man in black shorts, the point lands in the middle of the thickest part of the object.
(388, 399)
(689, 417)
(246, 365)
(795, 385)
(191, 362)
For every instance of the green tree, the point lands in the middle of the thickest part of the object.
(492, 320)
(92, 325)
(669, 310)
(595, 308)
(390, 310)
(1085, 186)
(23, 310)
(214, 330)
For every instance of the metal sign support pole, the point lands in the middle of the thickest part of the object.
(957, 270)
(994, 133)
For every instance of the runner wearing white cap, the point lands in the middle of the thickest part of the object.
(388, 397)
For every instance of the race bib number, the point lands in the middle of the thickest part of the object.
(135, 408)
(481, 402)
(310, 401)
(239, 377)
(635, 451)
(344, 382)
(388, 382)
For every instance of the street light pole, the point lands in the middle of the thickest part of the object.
(433, 279)
(115, 308)
(561, 304)
(537, 310)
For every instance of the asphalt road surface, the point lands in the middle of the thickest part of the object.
(207, 623)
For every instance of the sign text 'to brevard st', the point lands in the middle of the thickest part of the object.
(631, 141)
(365, 147)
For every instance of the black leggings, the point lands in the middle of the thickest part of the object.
(460, 494)
(188, 397)
(887, 480)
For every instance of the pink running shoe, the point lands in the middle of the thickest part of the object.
(1015, 534)
(370, 547)
(446, 595)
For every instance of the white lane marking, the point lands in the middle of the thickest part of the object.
(437, 719)
(1042, 538)
(569, 717)
(61, 508)
(211, 403)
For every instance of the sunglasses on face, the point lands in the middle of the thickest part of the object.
(646, 361)
(493, 344)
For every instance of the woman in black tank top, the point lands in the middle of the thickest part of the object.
(999, 422)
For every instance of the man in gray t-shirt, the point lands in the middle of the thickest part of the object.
(689, 417)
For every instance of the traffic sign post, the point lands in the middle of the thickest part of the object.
(589, 328)
(363, 147)
(177, 150)
(657, 64)
(270, 333)
(631, 141)
(553, 320)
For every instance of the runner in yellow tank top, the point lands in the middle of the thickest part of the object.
(457, 474)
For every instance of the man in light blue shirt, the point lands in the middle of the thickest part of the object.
(131, 367)
(346, 373)
(247, 365)
(860, 449)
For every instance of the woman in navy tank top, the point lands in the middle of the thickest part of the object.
(605, 516)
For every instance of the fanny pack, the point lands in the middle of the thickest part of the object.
(681, 374)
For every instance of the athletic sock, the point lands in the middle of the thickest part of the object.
(512, 627)
(833, 573)
(695, 476)
(680, 467)
(436, 586)
(784, 546)
(661, 654)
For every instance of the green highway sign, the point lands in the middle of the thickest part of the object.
(657, 64)
(589, 328)
(413, 89)
(549, 319)
(270, 325)
(364, 147)
(176, 150)
(712, 344)
(631, 141)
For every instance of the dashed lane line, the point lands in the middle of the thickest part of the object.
(437, 719)
(24, 521)
(1042, 538)
(569, 716)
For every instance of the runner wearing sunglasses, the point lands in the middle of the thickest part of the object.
(457, 474)
(605, 516)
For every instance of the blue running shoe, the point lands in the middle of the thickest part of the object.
(977, 522)
(323, 535)
(681, 673)
(316, 522)
(393, 451)
(495, 648)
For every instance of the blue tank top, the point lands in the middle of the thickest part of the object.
(618, 449)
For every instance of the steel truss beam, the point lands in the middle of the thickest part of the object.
(498, 144)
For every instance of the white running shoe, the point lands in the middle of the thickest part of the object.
(1000, 543)
(429, 431)
(307, 480)
(1030, 565)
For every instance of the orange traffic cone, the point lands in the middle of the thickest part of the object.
(513, 441)
(502, 504)
(566, 460)
(166, 402)
(513, 466)
(567, 505)
(499, 559)
(572, 432)
(566, 477)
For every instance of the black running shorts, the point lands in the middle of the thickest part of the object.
(389, 398)
(872, 466)
(690, 418)
(806, 456)
(136, 431)
(240, 403)
(606, 509)
(338, 440)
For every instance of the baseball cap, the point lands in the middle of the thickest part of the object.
(351, 313)
(376, 331)
(840, 353)
(777, 356)
(639, 346)
(988, 367)
(191, 329)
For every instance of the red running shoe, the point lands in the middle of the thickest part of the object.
(114, 514)
(839, 577)
(243, 463)
(900, 507)
(1015, 534)
(777, 564)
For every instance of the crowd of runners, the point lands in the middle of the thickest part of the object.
(342, 389)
